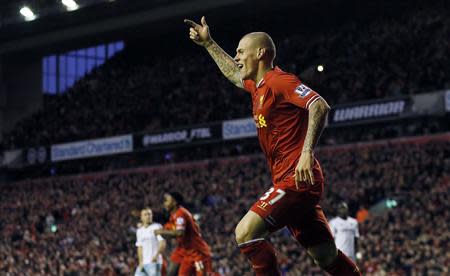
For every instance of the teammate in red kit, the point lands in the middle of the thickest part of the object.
(192, 255)
(289, 117)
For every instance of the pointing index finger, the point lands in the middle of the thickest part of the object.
(191, 23)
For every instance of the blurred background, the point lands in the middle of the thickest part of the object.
(106, 104)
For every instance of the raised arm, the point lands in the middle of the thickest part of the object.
(199, 33)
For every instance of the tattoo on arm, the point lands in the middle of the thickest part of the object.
(225, 63)
(318, 112)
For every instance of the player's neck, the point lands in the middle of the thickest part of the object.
(262, 70)
(145, 225)
(174, 209)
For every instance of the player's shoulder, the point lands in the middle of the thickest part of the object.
(279, 77)
(156, 225)
(353, 220)
(139, 230)
(182, 213)
(334, 220)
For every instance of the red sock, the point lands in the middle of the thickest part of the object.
(342, 266)
(262, 256)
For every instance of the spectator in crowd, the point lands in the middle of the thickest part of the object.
(135, 90)
(81, 225)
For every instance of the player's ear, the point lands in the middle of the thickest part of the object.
(260, 53)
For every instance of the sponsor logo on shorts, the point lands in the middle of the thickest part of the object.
(262, 205)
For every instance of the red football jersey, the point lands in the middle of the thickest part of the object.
(280, 110)
(191, 242)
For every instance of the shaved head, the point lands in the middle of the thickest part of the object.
(261, 40)
(254, 55)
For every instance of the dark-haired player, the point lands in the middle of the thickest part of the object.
(192, 256)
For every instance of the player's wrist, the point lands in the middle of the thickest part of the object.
(208, 43)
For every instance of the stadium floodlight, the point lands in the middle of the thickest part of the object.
(71, 5)
(320, 68)
(27, 13)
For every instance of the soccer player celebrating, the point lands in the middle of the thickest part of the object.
(289, 118)
(345, 231)
(149, 246)
(192, 255)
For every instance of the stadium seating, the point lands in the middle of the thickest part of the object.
(84, 224)
(138, 90)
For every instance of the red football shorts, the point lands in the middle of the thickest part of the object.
(299, 211)
(198, 265)
(177, 256)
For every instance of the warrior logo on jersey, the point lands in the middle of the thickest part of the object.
(302, 90)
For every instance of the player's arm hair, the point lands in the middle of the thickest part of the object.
(317, 120)
(140, 257)
(225, 62)
(169, 234)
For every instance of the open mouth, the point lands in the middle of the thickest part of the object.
(240, 66)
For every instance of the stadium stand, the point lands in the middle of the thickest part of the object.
(84, 224)
(139, 91)
(82, 218)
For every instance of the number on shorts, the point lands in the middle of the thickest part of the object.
(280, 192)
(267, 194)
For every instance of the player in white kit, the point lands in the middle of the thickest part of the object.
(149, 246)
(345, 231)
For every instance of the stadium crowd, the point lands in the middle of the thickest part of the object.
(85, 225)
(140, 91)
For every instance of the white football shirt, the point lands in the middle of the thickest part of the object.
(345, 231)
(145, 237)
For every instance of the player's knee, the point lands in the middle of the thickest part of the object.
(242, 233)
(249, 228)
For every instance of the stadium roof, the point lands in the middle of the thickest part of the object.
(54, 23)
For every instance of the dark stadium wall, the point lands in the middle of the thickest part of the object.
(2, 101)
(20, 90)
